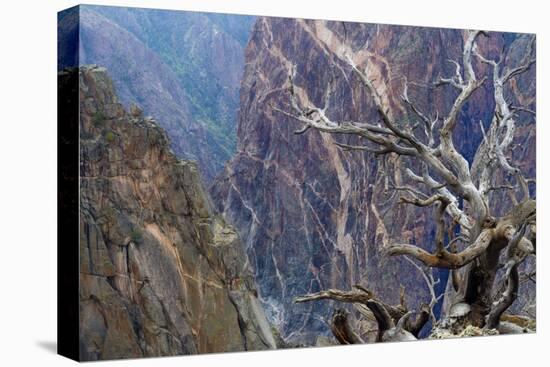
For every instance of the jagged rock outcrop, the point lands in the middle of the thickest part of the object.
(161, 273)
(315, 217)
(183, 68)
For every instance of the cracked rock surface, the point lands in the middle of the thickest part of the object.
(161, 273)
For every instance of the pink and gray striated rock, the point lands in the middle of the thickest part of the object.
(314, 217)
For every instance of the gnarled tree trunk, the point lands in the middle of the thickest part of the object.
(445, 180)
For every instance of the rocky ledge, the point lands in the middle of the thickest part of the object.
(161, 273)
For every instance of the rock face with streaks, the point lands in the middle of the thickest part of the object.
(161, 273)
(315, 217)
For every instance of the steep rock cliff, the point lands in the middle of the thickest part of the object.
(314, 217)
(160, 272)
(184, 68)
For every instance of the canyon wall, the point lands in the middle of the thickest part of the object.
(161, 273)
(183, 68)
(315, 217)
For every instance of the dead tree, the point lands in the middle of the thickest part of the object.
(444, 179)
(431, 283)
(342, 330)
(394, 321)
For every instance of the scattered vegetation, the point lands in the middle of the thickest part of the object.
(98, 119)
(109, 136)
(136, 236)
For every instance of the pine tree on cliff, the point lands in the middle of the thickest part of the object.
(469, 241)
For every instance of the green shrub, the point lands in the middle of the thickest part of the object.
(136, 236)
(98, 118)
(109, 136)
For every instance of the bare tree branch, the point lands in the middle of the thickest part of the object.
(458, 192)
(383, 318)
(360, 295)
(341, 329)
(501, 131)
(431, 283)
(416, 325)
(445, 259)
